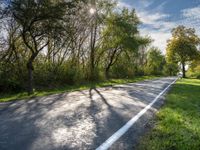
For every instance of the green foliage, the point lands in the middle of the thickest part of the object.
(194, 69)
(121, 41)
(177, 124)
(183, 46)
(67, 88)
(120, 71)
(122, 31)
(171, 69)
(155, 62)
(11, 77)
(52, 44)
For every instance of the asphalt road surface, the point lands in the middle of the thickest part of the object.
(80, 120)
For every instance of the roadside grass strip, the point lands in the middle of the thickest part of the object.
(177, 125)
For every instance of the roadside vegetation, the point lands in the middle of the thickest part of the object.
(177, 123)
(47, 44)
(56, 46)
(87, 85)
(194, 69)
(183, 47)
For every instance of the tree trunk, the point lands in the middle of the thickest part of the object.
(92, 50)
(92, 67)
(111, 62)
(30, 73)
(107, 72)
(183, 69)
(30, 77)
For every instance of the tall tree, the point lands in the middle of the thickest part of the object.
(99, 11)
(38, 21)
(120, 35)
(182, 47)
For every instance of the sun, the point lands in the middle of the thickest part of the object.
(92, 11)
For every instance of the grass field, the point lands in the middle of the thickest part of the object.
(177, 126)
(23, 95)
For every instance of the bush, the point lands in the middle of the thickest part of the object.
(194, 72)
(10, 79)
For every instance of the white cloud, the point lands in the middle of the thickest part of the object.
(147, 18)
(143, 4)
(155, 20)
(192, 12)
(160, 37)
(157, 26)
(123, 4)
(191, 18)
(146, 3)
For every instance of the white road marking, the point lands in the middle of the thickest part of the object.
(107, 144)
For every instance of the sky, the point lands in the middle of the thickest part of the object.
(160, 16)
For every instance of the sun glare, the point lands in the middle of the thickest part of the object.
(92, 11)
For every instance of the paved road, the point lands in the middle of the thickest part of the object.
(79, 120)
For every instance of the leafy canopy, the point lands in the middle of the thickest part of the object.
(183, 45)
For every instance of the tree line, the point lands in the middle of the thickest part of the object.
(48, 43)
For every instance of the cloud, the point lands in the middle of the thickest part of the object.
(146, 3)
(155, 20)
(156, 23)
(160, 37)
(147, 18)
(157, 27)
(191, 18)
(142, 3)
(121, 4)
(192, 12)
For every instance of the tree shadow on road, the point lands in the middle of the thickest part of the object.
(21, 122)
(18, 128)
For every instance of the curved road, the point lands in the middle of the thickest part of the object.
(81, 119)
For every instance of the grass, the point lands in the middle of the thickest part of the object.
(23, 95)
(177, 126)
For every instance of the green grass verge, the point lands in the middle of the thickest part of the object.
(45, 92)
(177, 126)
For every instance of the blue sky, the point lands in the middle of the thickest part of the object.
(160, 16)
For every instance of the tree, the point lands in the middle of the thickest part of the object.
(38, 21)
(121, 35)
(100, 10)
(155, 62)
(194, 68)
(171, 69)
(182, 47)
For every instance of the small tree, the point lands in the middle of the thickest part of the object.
(171, 69)
(183, 46)
(194, 69)
(155, 62)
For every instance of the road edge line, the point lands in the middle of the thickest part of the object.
(110, 141)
